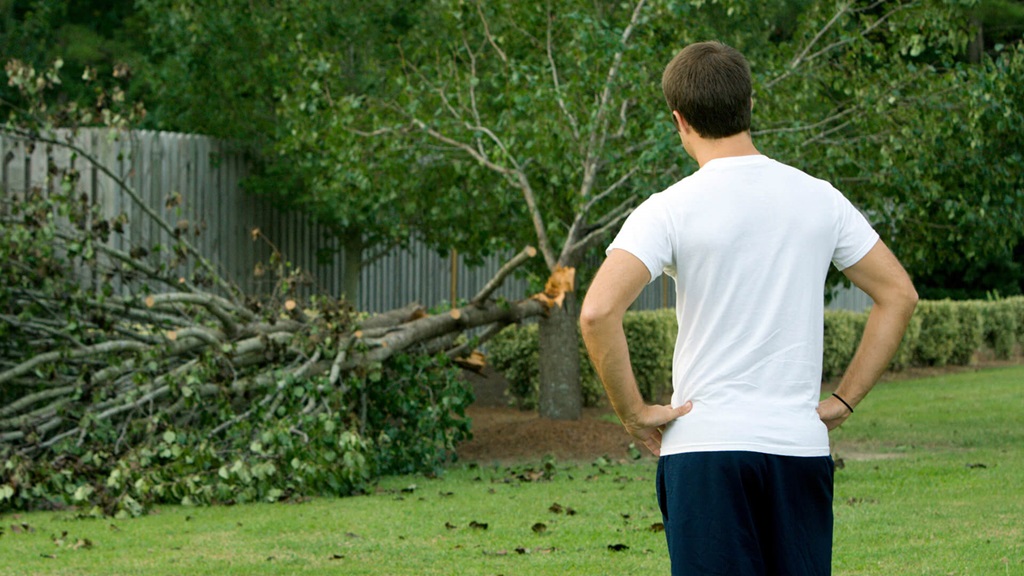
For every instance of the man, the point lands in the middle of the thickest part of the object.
(744, 475)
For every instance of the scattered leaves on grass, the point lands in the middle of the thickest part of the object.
(496, 553)
(450, 526)
(409, 489)
(557, 508)
(478, 525)
(618, 547)
(976, 465)
(22, 528)
(634, 452)
(657, 527)
(337, 557)
(532, 476)
(521, 550)
(539, 528)
(82, 544)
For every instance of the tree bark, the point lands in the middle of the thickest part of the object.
(976, 47)
(560, 396)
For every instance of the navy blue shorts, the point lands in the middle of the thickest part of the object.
(747, 513)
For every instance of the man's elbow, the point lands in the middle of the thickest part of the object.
(905, 298)
(593, 317)
(912, 297)
(590, 317)
(897, 298)
(908, 293)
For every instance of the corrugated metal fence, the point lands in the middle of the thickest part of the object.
(220, 219)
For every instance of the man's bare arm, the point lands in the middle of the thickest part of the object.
(879, 274)
(616, 285)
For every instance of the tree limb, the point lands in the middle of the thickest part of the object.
(499, 278)
(573, 124)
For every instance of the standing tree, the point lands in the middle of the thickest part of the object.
(561, 106)
(558, 106)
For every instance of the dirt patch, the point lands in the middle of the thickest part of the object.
(503, 433)
(511, 435)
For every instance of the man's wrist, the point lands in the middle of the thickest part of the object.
(845, 403)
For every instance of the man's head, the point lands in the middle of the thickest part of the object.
(709, 84)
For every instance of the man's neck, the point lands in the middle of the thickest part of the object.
(705, 150)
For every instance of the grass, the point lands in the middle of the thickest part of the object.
(932, 483)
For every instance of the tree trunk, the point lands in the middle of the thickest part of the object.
(560, 396)
(976, 48)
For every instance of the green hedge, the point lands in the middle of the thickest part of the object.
(941, 333)
(651, 337)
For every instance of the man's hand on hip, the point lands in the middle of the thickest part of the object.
(649, 423)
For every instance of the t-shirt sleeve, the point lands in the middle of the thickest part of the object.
(646, 234)
(855, 238)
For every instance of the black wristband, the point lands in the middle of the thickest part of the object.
(845, 403)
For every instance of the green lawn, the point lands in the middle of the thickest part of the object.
(933, 483)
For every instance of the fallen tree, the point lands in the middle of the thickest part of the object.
(126, 380)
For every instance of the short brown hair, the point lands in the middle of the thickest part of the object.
(709, 84)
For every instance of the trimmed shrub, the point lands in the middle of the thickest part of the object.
(971, 333)
(1016, 307)
(1001, 327)
(936, 344)
(843, 330)
(904, 357)
(650, 335)
(941, 332)
(514, 353)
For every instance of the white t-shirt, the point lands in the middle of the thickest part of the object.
(749, 241)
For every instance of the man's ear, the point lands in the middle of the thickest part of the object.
(680, 122)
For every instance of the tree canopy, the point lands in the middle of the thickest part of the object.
(909, 107)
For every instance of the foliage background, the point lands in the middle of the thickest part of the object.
(913, 108)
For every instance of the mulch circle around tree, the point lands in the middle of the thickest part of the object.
(505, 434)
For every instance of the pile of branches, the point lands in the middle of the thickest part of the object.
(108, 355)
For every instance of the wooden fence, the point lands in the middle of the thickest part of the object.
(220, 218)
